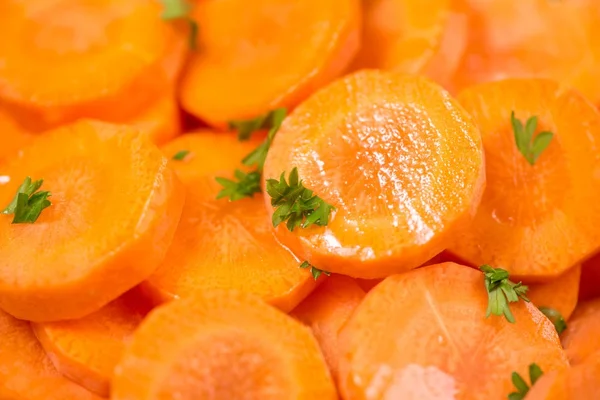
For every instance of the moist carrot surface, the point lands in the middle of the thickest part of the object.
(115, 207)
(582, 337)
(527, 209)
(222, 345)
(273, 54)
(377, 146)
(559, 294)
(422, 334)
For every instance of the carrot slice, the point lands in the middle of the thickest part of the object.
(398, 158)
(326, 310)
(12, 136)
(250, 61)
(87, 350)
(105, 59)
(161, 121)
(560, 293)
(222, 244)
(589, 286)
(527, 209)
(222, 345)
(582, 336)
(26, 372)
(424, 335)
(115, 207)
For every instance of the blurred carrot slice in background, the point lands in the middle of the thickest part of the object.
(560, 294)
(536, 221)
(67, 59)
(272, 54)
(87, 350)
(424, 335)
(161, 122)
(398, 158)
(582, 337)
(115, 207)
(12, 136)
(222, 345)
(26, 372)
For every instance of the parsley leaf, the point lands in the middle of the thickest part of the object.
(258, 156)
(530, 149)
(246, 128)
(28, 203)
(316, 272)
(535, 372)
(296, 204)
(245, 186)
(180, 155)
(180, 9)
(555, 317)
(501, 292)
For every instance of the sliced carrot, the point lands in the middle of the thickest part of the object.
(589, 287)
(115, 207)
(251, 60)
(25, 371)
(222, 345)
(560, 293)
(424, 335)
(326, 310)
(106, 59)
(87, 350)
(161, 121)
(12, 137)
(582, 336)
(222, 244)
(398, 158)
(527, 210)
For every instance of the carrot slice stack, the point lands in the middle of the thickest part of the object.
(273, 54)
(87, 350)
(222, 345)
(26, 372)
(424, 335)
(582, 337)
(115, 207)
(223, 244)
(396, 156)
(549, 222)
(105, 59)
(560, 294)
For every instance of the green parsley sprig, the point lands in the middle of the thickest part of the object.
(535, 372)
(316, 272)
(245, 185)
(181, 155)
(180, 10)
(531, 148)
(501, 292)
(28, 203)
(555, 317)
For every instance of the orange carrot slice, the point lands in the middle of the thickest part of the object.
(527, 209)
(326, 310)
(105, 59)
(377, 146)
(560, 293)
(25, 372)
(115, 207)
(222, 244)
(222, 345)
(424, 335)
(582, 337)
(161, 121)
(87, 350)
(589, 286)
(12, 136)
(250, 63)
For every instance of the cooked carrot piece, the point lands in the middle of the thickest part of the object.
(424, 335)
(582, 337)
(222, 345)
(589, 286)
(528, 210)
(559, 294)
(326, 310)
(12, 137)
(222, 244)
(399, 160)
(273, 54)
(87, 350)
(161, 121)
(105, 59)
(25, 371)
(115, 207)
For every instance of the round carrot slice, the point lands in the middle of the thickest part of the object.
(26, 372)
(68, 59)
(273, 54)
(560, 294)
(396, 156)
(222, 345)
(527, 209)
(161, 121)
(582, 337)
(424, 335)
(115, 207)
(87, 350)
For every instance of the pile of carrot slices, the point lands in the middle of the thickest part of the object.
(299, 200)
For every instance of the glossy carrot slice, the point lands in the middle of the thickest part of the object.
(581, 339)
(222, 244)
(26, 372)
(115, 207)
(527, 210)
(87, 350)
(222, 345)
(106, 59)
(377, 146)
(250, 61)
(561, 293)
(424, 335)
(161, 121)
